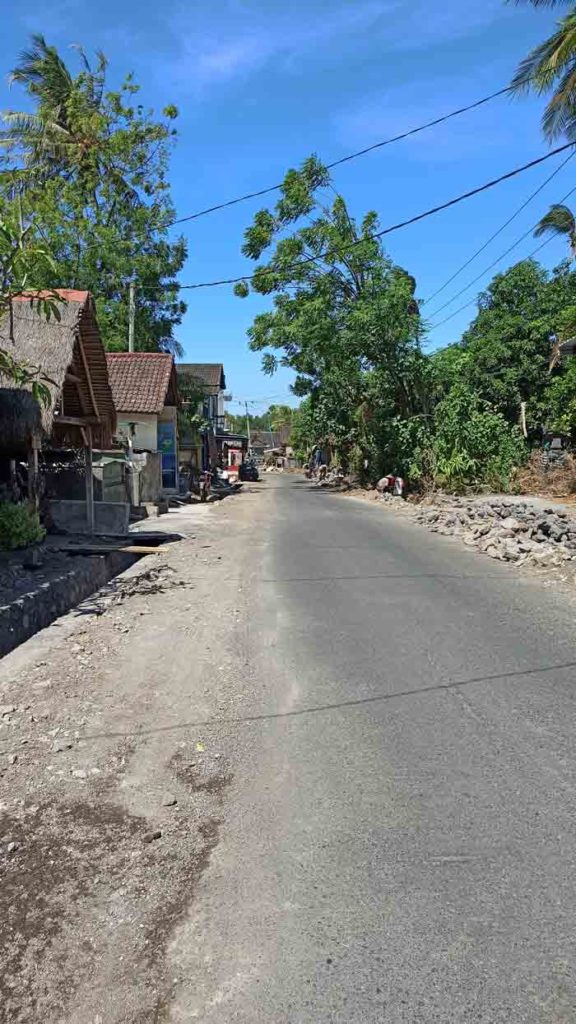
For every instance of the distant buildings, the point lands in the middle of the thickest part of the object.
(209, 444)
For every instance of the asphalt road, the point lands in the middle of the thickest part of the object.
(400, 845)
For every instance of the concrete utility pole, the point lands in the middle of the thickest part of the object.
(131, 315)
(247, 423)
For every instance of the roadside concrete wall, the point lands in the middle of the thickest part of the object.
(38, 608)
(110, 517)
(110, 481)
(149, 477)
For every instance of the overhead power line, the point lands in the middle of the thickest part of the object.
(378, 234)
(497, 260)
(350, 156)
(500, 229)
(472, 302)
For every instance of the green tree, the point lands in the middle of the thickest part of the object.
(340, 310)
(551, 67)
(91, 166)
(508, 345)
(191, 422)
(561, 400)
(274, 418)
(280, 416)
(505, 355)
(304, 429)
(64, 134)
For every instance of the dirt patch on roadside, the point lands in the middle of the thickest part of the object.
(51, 857)
(201, 777)
(78, 883)
(175, 909)
(103, 867)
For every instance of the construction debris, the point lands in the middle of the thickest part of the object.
(508, 531)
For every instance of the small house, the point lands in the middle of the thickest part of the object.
(145, 391)
(206, 383)
(272, 447)
(210, 380)
(68, 353)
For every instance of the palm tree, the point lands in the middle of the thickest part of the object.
(65, 129)
(66, 134)
(559, 221)
(552, 66)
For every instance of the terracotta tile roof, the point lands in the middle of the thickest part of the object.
(68, 294)
(210, 374)
(141, 381)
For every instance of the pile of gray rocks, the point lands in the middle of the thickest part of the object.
(510, 531)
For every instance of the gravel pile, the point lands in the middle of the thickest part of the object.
(509, 531)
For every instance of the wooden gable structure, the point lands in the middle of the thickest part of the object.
(70, 355)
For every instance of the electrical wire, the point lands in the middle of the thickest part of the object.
(497, 260)
(342, 160)
(500, 229)
(378, 234)
(350, 156)
(530, 255)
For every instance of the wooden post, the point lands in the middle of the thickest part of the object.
(131, 315)
(14, 481)
(33, 489)
(89, 481)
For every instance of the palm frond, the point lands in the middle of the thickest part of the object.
(22, 126)
(540, 69)
(559, 117)
(43, 72)
(99, 78)
(558, 221)
(82, 54)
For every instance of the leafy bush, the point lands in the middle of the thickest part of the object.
(561, 400)
(19, 526)
(473, 444)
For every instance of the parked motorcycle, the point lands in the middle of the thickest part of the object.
(249, 471)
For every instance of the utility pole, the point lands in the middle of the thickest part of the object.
(131, 315)
(247, 423)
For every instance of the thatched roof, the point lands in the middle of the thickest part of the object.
(70, 353)
(20, 421)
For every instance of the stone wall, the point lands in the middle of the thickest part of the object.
(38, 608)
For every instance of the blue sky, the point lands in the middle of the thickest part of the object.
(261, 84)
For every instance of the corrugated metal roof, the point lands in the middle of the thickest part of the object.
(270, 438)
(210, 374)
